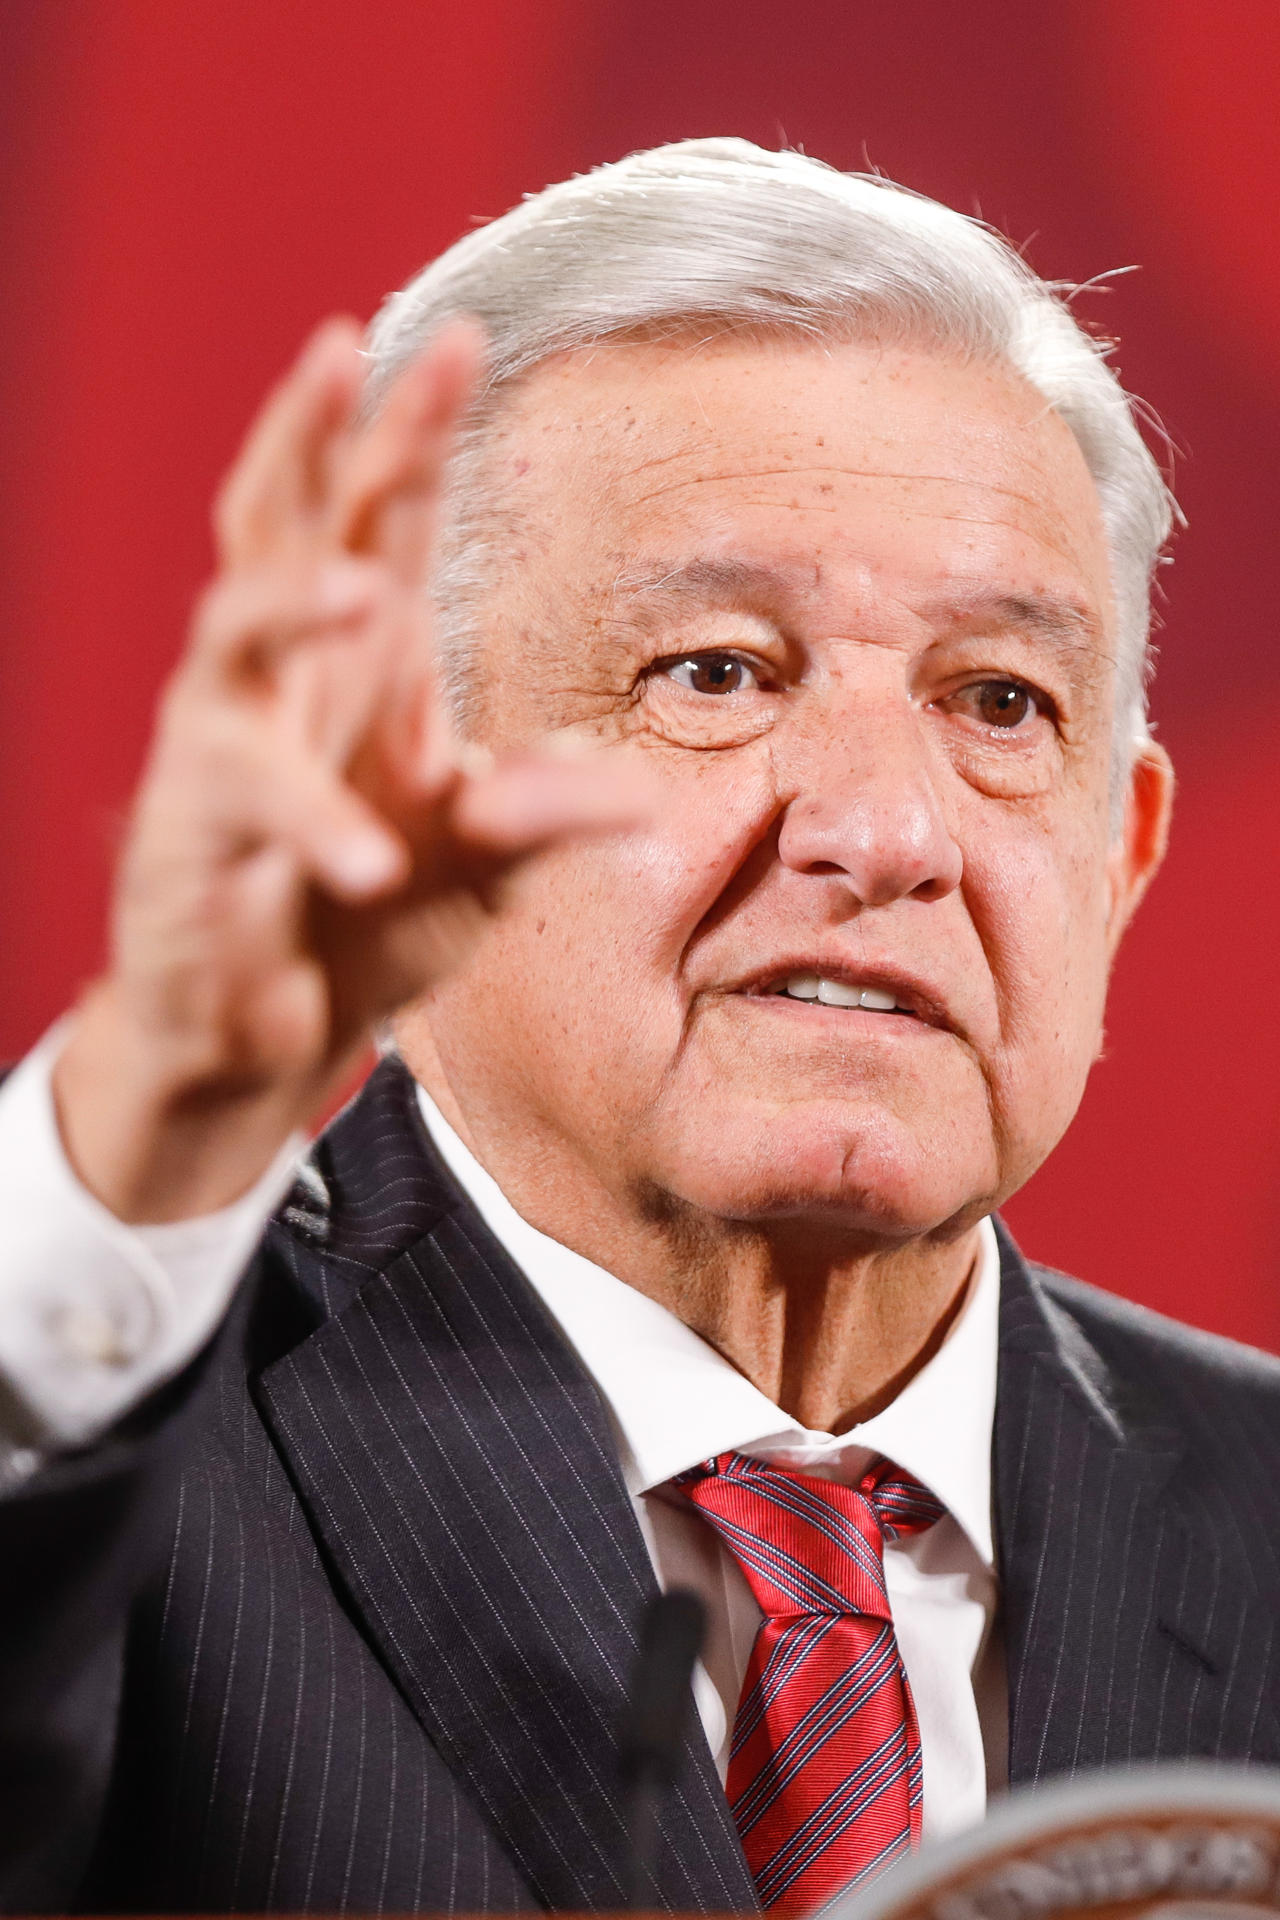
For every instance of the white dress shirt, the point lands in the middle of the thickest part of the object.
(95, 1314)
(673, 1401)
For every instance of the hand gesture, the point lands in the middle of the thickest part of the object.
(310, 847)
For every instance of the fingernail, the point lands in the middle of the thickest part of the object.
(338, 328)
(363, 862)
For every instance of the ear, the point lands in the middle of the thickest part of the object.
(1135, 857)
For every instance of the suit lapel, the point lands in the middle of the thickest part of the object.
(457, 1465)
(1130, 1633)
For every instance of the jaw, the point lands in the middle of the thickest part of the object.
(862, 1123)
(740, 1107)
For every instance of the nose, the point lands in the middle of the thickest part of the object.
(864, 805)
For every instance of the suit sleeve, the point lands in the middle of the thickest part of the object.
(79, 1539)
(100, 1400)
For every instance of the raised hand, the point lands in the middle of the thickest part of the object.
(309, 847)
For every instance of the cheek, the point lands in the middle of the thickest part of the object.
(1039, 902)
(642, 898)
(584, 961)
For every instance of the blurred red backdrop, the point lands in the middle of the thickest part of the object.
(184, 189)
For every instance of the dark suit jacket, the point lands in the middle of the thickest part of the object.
(343, 1620)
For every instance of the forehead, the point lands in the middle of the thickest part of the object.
(833, 468)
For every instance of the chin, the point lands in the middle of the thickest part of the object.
(863, 1173)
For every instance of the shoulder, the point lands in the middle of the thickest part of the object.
(1200, 1378)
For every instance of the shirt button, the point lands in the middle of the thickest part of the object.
(89, 1335)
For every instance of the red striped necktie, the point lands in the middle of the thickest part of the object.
(824, 1778)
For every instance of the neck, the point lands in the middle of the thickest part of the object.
(829, 1325)
(829, 1329)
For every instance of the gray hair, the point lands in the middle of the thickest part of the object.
(723, 235)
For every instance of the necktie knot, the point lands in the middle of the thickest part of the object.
(825, 1778)
(805, 1545)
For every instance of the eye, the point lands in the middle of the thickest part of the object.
(711, 673)
(1007, 706)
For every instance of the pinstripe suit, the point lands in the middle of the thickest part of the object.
(344, 1618)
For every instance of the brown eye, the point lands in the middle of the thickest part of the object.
(713, 673)
(1003, 703)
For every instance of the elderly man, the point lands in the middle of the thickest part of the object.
(738, 852)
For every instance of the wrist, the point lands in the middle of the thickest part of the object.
(156, 1127)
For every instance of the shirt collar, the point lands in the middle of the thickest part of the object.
(674, 1400)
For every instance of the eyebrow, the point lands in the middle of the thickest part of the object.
(1062, 620)
(717, 582)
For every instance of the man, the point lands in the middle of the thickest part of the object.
(740, 856)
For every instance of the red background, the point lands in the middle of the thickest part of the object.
(185, 185)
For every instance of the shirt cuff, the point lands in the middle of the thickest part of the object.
(95, 1314)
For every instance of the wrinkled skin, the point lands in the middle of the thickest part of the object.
(309, 847)
(852, 606)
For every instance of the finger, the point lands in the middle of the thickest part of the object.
(248, 620)
(410, 731)
(232, 785)
(387, 495)
(289, 798)
(279, 481)
(283, 1015)
(528, 803)
(363, 697)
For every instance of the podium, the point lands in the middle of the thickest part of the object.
(1181, 1842)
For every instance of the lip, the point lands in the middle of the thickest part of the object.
(918, 996)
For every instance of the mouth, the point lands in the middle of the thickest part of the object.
(848, 990)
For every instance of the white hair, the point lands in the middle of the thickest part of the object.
(723, 235)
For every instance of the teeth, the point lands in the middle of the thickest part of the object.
(836, 993)
(877, 1000)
